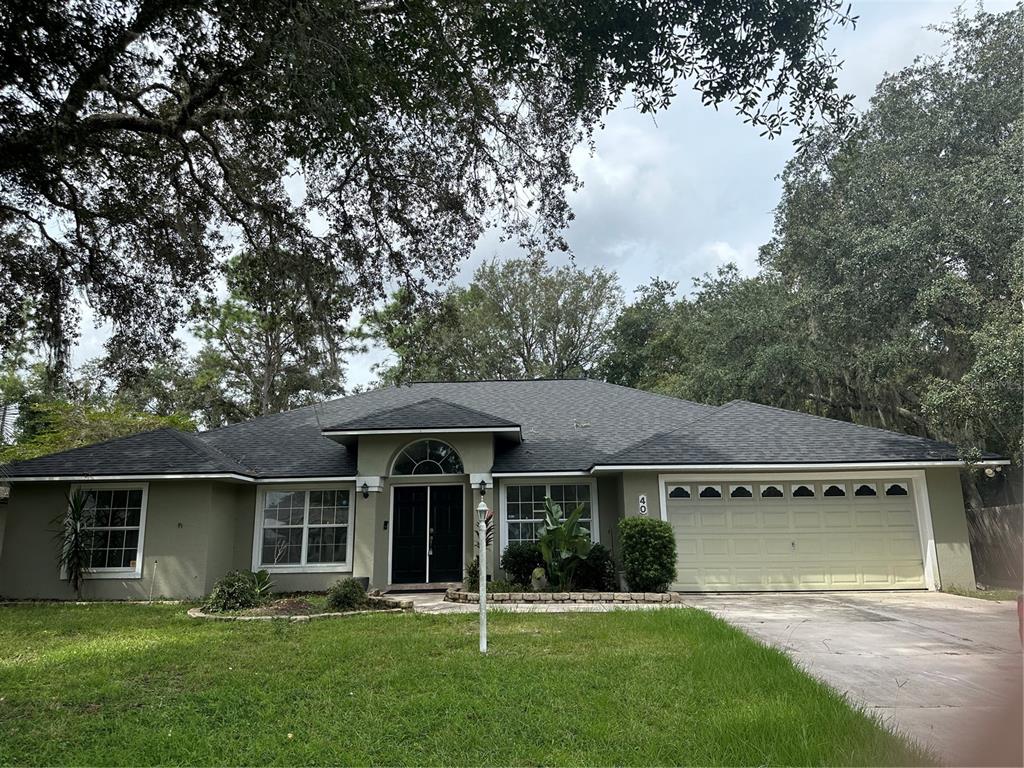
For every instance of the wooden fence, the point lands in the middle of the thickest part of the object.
(997, 544)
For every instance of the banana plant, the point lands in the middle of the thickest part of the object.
(563, 545)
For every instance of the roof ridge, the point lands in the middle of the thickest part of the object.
(653, 393)
(830, 420)
(199, 446)
(298, 409)
(715, 410)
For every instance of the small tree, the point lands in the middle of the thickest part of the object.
(75, 547)
(563, 545)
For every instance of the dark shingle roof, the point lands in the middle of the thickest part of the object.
(567, 425)
(741, 432)
(432, 413)
(160, 451)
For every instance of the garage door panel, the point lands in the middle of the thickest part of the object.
(713, 547)
(867, 518)
(838, 518)
(714, 518)
(900, 518)
(803, 543)
(806, 518)
(748, 546)
(746, 518)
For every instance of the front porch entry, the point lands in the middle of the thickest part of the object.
(426, 533)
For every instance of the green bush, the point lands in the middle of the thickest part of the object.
(648, 553)
(519, 560)
(234, 591)
(597, 571)
(347, 595)
(472, 581)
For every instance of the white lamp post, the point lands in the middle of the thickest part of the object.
(481, 513)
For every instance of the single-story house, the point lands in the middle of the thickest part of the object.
(384, 485)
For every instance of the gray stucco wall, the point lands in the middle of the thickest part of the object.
(176, 549)
(949, 525)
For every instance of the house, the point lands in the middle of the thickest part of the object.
(383, 486)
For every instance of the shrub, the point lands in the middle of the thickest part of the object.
(597, 571)
(234, 591)
(519, 560)
(347, 595)
(648, 553)
(472, 581)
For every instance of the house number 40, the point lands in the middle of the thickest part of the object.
(643, 503)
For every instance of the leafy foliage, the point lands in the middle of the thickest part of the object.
(597, 571)
(347, 595)
(276, 342)
(564, 544)
(61, 426)
(234, 591)
(520, 318)
(648, 549)
(471, 580)
(74, 549)
(890, 294)
(141, 138)
(519, 559)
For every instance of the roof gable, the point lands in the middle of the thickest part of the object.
(432, 413)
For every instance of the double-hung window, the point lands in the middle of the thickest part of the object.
(304, 529)
(523, 518)
(112, 528)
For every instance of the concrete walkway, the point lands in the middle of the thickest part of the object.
(944, 669)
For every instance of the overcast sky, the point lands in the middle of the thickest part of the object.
(677, 195)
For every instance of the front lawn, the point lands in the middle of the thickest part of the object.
(119, 685)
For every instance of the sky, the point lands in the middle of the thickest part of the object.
(678, 194)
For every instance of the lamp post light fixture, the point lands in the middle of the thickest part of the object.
(481, 513)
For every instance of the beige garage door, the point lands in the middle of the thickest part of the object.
(795, 535)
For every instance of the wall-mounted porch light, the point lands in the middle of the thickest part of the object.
(483, 488)
(366, 490)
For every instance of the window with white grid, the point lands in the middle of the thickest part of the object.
(524, 507)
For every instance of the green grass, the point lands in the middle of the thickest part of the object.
(118, 684)
(985, 594)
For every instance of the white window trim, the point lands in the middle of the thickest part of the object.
(919, 492)
(257, 538)
(118, 573)
(547, 481)
(410, 444)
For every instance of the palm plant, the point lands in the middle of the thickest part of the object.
(563, 545)
(75, 547)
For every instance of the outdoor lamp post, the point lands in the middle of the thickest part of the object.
(481, 513)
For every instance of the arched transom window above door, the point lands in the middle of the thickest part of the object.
(428, 457)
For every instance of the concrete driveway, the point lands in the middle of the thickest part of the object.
(945, 670)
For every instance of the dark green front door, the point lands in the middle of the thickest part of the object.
(426, 537)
